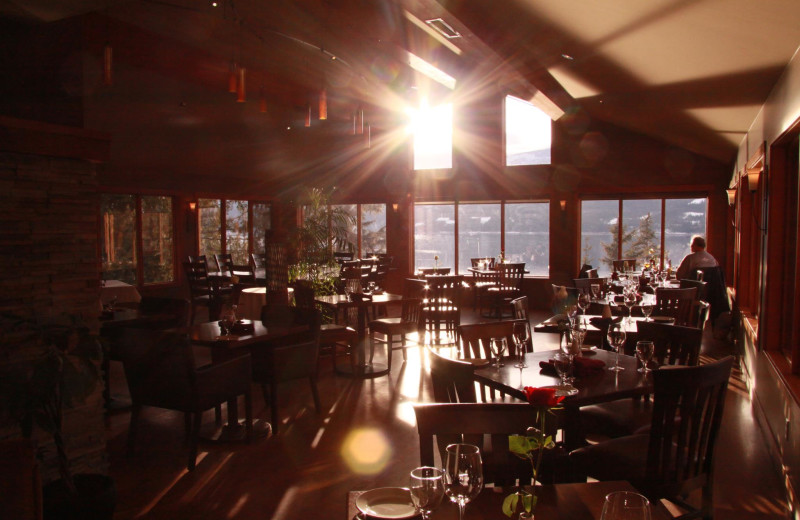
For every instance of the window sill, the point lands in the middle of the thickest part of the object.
(784, 370)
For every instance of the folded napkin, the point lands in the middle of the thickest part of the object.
(604, 323)
(581, 367)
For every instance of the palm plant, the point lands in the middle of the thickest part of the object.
(325, 229)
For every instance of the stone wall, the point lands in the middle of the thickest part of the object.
(48, 254)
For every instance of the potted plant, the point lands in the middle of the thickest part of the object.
(325, 228)
(48, 367)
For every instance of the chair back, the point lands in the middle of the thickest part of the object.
(257, 260)
(412, 308)
(678, 303)
(699, 284)
(434, 271)
(225, 262)
(511, 275)
(475, 338)
(716, 292)
(343, 256)
(486, 425)
(445, 291)
(452, 380)
(687, 412)
(304, 294)
(520, 306)
(159, 368)
(171, 312)
(197, 276)
(591, 273)
(415, 288)
(672, 344)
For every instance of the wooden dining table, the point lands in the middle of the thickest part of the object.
(337, 302)
(602, 386)
(579, 501)
(225, 346)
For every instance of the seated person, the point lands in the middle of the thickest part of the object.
(695, 260)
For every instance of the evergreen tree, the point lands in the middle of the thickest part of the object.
(611, 249)
(644, 239)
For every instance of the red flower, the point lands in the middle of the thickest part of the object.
(542, 396)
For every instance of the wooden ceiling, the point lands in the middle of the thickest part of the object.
(693, 73)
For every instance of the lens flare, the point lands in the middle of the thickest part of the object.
(366, 451)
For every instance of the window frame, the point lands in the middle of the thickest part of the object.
(620, 198)
(224, 224)
(138, 246)
(504, 140)
(456, 227)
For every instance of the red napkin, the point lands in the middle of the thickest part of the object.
(581, 366)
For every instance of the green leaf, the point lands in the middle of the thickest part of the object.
(528, 501)
(519, 445)
(510, 504)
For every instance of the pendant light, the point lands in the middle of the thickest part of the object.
(323, 104)
(308, 116)
(240, 88)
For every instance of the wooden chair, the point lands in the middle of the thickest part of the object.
(452, 380)
(678, 303)
(474, 338)
(509, 286)
(676, 455)
(201, 291)
(584, 285)
(160, 370)
(716, 292)
(407, 323)
(702, 287)
(290, 358)
(434, 271)
(257, 265)
(441, 307)
(334, 339)
(672, 345)
(486, 425)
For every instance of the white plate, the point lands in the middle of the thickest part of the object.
(390, 502)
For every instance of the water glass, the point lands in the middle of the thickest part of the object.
(498, 347)
(644, 351)
(625, 505)
(463, 475)
(616, 338)
(563, 364)
(647, 306)
(427, 489)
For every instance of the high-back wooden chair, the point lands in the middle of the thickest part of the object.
(407, 323)
(474, 338)
(624, 265)
(486, 425)
(676, 455)
(509, 286)
(201, 292)
(678, 303)
(672, 344)
(441, 307)
(452, 380)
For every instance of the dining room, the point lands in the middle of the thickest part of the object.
(278, 223)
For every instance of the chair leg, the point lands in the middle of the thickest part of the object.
(371, 346)
(187, 422)
(248, 415)
(315, 393)
(389, 352)
(273, 403)
(198, 419)
(135, 411)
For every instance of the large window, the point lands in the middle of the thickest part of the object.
(373, 228)
(432, 130)
(121, 217)
(456, 233)
(641, 234)
(528, 133)
(237, 227)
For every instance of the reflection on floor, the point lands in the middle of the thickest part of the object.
(365, 438)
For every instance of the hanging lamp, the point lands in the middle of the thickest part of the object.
(323, 104)
(240, 87)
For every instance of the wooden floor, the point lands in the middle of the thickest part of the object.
(365, 437)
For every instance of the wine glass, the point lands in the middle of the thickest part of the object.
(616, 338)
(521, 337)
(583, 302)
(595, 288)
(498, 346)
(578, 336)
(663, 277)
(647, 306)
(630, 302)
(427, 489)
(625, 505)
(563, 364)
(644, 351)
(463, 475)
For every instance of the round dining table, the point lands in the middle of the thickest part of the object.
(252, 300)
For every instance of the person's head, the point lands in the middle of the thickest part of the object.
(698, 244)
